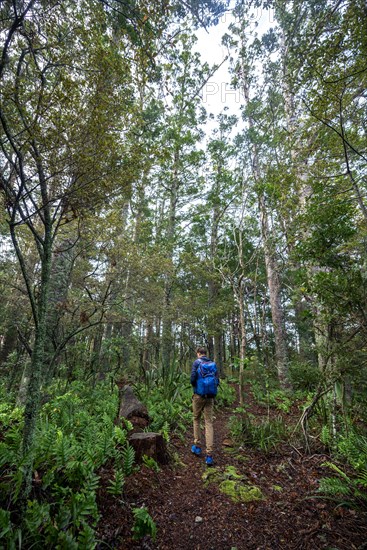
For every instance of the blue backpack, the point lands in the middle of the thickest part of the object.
(207, 382)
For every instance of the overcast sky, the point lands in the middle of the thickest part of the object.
(218, 92)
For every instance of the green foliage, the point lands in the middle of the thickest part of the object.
(169, 400)
(325, 435)
(169, 411)
(127, 459)
(143, 524)
(169, 381)
(5, 525)
(304, 376)
(149, 462)
(75, 436)
(116, 485)
(168, 415)
(9, 414)
(349, 487)
(262, 433)
(271, 397)
(226, 394)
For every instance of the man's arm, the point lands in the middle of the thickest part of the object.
(217, 375)
(194, 372)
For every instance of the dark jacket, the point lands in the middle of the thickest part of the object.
(194, 370)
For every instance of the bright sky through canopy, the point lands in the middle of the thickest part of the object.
(218, 92)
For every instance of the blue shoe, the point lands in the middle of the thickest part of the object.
(196, 450)
(209, 461)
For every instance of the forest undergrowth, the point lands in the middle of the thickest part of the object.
(265, 491)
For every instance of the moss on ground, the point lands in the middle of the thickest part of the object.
(240, 492)
(233, 484)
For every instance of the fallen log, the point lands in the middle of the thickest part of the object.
(132, 409)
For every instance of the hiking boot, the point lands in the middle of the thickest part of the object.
(196, 450)
(209, 460)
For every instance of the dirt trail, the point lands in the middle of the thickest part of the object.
(285, 519)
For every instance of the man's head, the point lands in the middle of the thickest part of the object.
(200, 352)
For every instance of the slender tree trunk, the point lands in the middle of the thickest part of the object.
(167, 340)
(274, 286)
(33, 398)
(272, 269)
(224, 348)
(243, 341)
(147, 345)
(23, 387)
(215, 321)
(58, 292)
(232, 338)
(304, 330)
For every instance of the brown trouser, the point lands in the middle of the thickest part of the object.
(206, 405)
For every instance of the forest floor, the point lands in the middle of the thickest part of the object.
(191, 514)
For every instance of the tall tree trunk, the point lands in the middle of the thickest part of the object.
(232, 337)
(304, 330)
(215, 321)
(274, 286)
(271, 265)
(167, 340)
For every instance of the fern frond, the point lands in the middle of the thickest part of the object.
(362, 478)
(116, 485)
(128, 458)
(336, 469)
(333, 486)
(86, 538)
(119, 435)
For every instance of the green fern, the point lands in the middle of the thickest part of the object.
(165, 431)
(66, 539)
(128, 458)
(61, 520)
(362, 478)
(149, 462)
(325, 435)
(119, 435)
(46, 443)
(86, 538)
(37, 514)
(63, 450)
(354, 448)
(334, 487)
(116, 485)
(336, 469)
(75, 436)
(345, 489)
(143, 524)
(82, 506)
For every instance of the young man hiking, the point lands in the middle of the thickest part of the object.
(204, 380)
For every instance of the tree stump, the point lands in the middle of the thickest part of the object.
(132, 409)
(150, 444)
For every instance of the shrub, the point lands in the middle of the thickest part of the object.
(304, 376)
(226, 394)
(262, 433)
